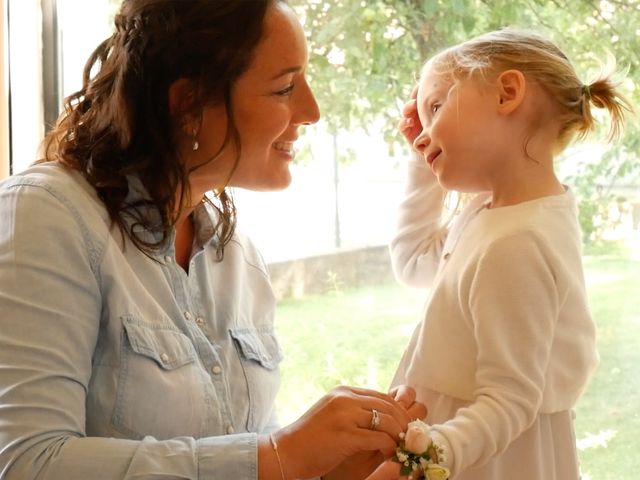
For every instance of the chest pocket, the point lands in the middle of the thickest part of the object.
(168, 348)
(159, 374)
(260, 354)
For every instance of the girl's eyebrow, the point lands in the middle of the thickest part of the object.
(287, 71)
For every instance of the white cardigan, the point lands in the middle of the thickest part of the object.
(506, 328)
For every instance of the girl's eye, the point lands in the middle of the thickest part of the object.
(435, 107)
(285, 91)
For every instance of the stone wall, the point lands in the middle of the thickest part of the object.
(332, 272)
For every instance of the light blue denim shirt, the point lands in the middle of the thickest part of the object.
(116, 366)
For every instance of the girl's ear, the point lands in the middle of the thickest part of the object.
(512, 86)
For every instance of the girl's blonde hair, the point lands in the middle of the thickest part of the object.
(544, 63)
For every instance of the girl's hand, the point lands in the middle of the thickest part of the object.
(410, 125)
(406, 396)
(337, 427)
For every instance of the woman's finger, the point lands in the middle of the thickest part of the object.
(374, 440)
(371, 399)
(388, 470)
(417, 411)
(382, 422)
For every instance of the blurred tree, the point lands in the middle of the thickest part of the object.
(365, 56)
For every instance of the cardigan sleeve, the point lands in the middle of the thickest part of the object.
(417, 245)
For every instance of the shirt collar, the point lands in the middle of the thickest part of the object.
(204, 216)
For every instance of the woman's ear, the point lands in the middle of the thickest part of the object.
(512, 86)
(182, 97)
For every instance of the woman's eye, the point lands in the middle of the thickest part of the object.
(435, 107)
(285, 91)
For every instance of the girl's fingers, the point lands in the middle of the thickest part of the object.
(410, 125)
(414, 92)
(404, 395)
(410, 108)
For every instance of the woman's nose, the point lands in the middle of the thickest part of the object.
(308, 110)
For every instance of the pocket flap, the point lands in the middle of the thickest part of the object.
(169, 348)
(259, 345)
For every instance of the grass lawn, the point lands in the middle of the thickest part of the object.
(357, 337)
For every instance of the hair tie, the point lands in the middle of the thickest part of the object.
(586, 91)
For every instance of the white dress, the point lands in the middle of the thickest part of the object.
(506, 345)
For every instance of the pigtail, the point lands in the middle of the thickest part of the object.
(603, 93)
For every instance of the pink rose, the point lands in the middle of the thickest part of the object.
(417, 439)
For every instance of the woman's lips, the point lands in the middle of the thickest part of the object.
(286, 147)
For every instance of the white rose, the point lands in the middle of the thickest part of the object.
(417, 439)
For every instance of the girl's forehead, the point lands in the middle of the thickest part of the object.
(433, 79)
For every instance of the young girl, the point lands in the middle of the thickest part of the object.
(507, 343)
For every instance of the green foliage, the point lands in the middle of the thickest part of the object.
(365, 56)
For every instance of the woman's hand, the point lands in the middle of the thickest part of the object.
(410, 125)
(339, 426)
(388, 470)
(361, 465)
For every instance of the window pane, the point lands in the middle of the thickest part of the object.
(80, 32)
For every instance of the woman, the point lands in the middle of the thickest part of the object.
(136, 333)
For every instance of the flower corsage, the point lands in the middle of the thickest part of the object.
(417, 452)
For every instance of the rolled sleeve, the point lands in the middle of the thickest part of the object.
(233, 456)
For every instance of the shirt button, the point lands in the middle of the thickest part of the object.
(216, 370)
(200, 321)
(168, 258)
(164, 357)
(446, 256)
(230, 430)
(187, 315)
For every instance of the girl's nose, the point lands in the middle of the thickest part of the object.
(422, 141)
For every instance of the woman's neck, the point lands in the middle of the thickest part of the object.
(184, 241)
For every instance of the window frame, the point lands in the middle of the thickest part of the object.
(43, 112)
(5, 91)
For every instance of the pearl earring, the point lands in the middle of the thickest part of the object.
(195, 145)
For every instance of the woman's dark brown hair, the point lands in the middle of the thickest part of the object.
(119, 124)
